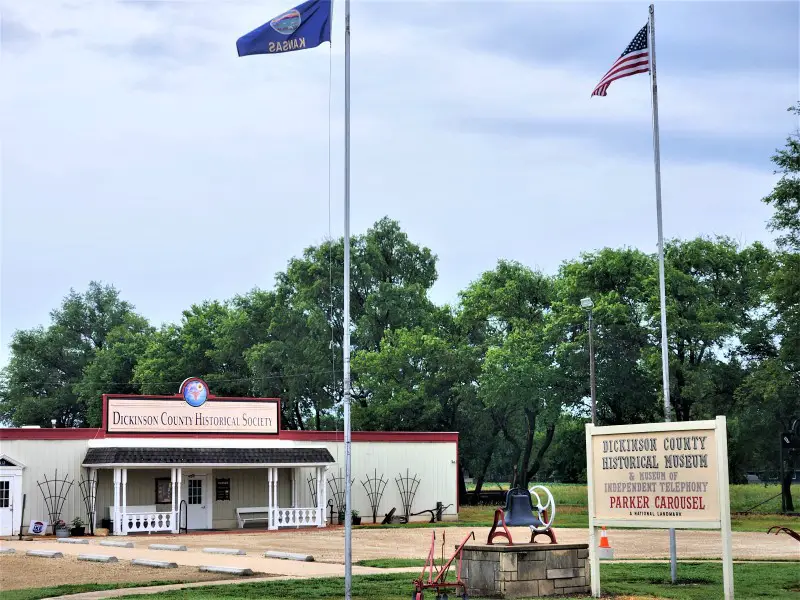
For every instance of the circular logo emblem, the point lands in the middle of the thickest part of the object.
(287, 23)
(195, 392)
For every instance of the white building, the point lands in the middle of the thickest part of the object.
(194, 461)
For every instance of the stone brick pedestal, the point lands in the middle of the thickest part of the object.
(526, 570)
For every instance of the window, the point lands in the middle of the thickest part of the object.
(195, 491)
(5, 494)
(163, 490)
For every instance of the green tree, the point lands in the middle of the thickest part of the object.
(47, 365)
(713, 288)
(417, 381)
(523, 381)
(301, 360)
(785, 198)
(176, 352)
(523, 384)
(111, 371)
(618, 282)
(245, 325)
(769, 399)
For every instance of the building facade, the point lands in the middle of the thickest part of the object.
(194, 461)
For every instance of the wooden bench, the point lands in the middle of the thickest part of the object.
(243, 514)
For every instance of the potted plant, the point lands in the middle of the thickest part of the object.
(341, 515)
(356, 517)
(78, 527)
(60, 529)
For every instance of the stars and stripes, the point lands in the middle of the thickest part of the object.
(634, 60)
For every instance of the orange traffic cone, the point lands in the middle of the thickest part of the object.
(604, 550)
(604, 539)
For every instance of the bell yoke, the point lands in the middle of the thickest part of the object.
(519, 512)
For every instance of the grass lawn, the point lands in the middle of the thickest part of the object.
(571, 509)
(63, 590)
(696, 582)
(743, 496)
(577, 516)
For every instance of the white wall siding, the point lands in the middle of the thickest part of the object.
(43, 458)
(248, 488)
(433, 463)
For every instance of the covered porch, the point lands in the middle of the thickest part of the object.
(150, 490)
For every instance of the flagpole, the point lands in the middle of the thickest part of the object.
(348, 522)
(661, 277)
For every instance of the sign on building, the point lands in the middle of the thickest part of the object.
(37, 527)
(659, 475)
(192, 411)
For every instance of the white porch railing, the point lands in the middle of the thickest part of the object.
(149, 522)
(297, 517)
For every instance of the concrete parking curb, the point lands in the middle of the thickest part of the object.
(44, 553)
(101, 558)
(234, 551)
(156, 564)
(171, 547)
(226, 570)
(116, 544)
(288, 556)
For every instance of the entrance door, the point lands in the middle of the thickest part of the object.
(6, 506)
(195, 491)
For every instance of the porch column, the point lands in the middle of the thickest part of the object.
(272, 476)
(124, 501)
(324, 503)
(295, 472)
(115, 517)
(276, 505)
(178, 489)
(172, 474)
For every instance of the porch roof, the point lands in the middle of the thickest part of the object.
(209, 457)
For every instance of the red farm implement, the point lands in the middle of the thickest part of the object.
(437, 578)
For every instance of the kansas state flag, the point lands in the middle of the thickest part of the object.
(304, 26)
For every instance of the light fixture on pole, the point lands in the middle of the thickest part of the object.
(587, 305)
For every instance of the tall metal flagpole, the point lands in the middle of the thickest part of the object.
(661, 277)
(348, 521)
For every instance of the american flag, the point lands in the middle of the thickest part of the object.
(634, 60)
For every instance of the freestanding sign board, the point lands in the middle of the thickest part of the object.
(662, 476)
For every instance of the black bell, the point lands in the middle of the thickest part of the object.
(519, 509)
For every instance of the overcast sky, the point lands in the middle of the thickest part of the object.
(139, 150)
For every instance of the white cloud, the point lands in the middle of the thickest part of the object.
(138, 149)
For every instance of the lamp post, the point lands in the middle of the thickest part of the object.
(587, 305)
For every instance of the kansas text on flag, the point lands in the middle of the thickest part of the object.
(305, 26)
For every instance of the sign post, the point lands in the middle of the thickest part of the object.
(661, 476)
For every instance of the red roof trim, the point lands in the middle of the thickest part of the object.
(310, 436)
(50, 434)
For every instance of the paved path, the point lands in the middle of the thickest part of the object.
(197, 558)
(327, 544)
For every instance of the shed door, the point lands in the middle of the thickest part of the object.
(7, 505)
